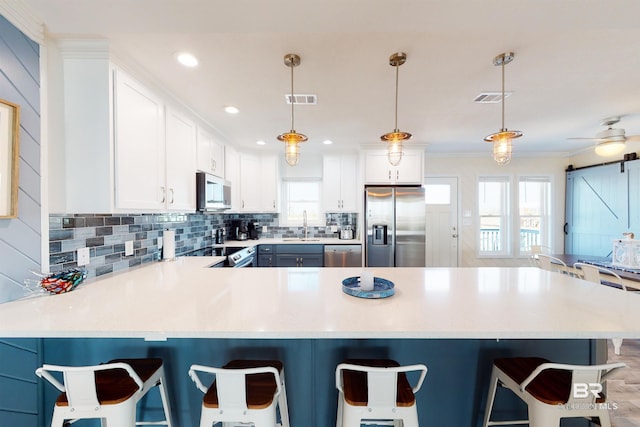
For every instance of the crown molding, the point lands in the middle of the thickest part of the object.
(23, 17)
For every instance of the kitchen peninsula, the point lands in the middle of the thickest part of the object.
(453, 320)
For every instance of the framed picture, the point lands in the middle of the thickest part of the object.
(9, 153)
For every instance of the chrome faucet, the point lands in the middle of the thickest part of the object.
(304, 223)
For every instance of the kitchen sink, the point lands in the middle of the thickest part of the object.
(300, 239)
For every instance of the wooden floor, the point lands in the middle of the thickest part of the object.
(624, 388)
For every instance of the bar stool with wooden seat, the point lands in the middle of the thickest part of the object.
(375, 390)
(108, 391)
(243, 391)
(551, 390)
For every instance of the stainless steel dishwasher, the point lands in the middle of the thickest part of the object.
(343, 255)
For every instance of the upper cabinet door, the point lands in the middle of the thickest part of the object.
(210, 154)
(378, 170)
(339, 183)
(181, 162)
(139, 146)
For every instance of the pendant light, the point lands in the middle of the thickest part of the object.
(396, 138)
(292, 138)
(502, 140)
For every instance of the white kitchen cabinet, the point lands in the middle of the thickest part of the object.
(155, 152)
(210, 154)
(378, 170)
(180, 162)
(121, 151)
(139, 146)
(339, 183)
(259, 183)
(269, 183)
(232, 174)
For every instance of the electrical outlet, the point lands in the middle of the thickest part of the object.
(264, 228)
(334, 228)
(128, 248)
(84, 255)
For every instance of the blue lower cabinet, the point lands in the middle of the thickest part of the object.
(299, 255)
(265, 256)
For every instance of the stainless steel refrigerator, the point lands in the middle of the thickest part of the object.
(395, 224)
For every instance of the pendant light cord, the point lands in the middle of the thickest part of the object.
(396, 117)
(503, 128)
(293, 98)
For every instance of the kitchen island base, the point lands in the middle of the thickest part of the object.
(453, 394)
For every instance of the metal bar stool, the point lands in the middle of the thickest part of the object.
(551, 390)
(597, 274)
(377, 389)
(108, 391)
(243, 391)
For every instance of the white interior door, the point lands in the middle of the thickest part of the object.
(441, 200)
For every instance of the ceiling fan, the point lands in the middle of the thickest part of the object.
(611, 141)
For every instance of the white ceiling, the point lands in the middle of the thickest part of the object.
(576, 62)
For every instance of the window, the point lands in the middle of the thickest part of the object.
(300, 196)
(534, 214)
(493, 210)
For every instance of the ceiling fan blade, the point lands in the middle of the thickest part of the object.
(588, 139)
(633, 138)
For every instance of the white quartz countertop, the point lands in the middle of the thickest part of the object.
(183, 298)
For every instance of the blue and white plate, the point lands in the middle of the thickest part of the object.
(382, 288)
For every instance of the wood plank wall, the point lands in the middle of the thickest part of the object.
(20, 238)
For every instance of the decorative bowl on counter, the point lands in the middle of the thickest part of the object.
(382, 288)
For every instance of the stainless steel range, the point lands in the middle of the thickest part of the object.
(241, 257)
(237, 257)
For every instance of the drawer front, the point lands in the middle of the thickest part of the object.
(265, 249)
(300, 249)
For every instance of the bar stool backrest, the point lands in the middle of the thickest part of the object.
(231, 383)
(584, 380)
(382, 381)
(79, 382)
(596, 274)
(551, 263)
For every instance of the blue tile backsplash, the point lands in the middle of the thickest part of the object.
(106, 234)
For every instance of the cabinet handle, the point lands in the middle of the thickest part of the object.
(397, 174)
(389, 174)
(172, 196)
(164, 194)
(274, 204)
(213, 165)
(243, 204)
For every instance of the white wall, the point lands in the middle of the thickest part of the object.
(467, 169)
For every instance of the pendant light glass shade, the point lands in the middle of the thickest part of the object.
(502, 140)
(395, 139)
(292, 138)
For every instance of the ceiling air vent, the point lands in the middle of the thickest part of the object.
(301, 99)
(491, 97)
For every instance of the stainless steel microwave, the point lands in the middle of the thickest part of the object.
(212, 193)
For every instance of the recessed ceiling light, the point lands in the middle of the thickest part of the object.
(231, 109)
(187, 59)
(327, 142)
(261, 142)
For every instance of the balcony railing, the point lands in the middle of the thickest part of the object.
(490, 240)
